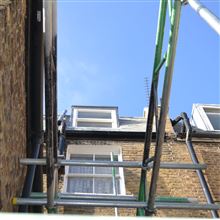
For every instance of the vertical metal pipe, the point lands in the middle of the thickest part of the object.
(149, 127)
(195, 160)
(175, 19)
(55, 124)
(49, 105)
(34, 80)
(114, 185)
(54, 55)
(212, 20)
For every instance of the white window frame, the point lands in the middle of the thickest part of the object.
(97, 150)
(200, 118)
(113, 119)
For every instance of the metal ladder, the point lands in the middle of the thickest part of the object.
(145, 203)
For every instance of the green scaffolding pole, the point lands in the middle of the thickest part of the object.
(171, 51)
(157, 61)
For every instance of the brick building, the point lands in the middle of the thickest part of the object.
(94, 132)
(111, 137)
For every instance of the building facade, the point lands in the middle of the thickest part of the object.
(98, 133)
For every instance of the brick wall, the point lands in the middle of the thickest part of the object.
(12, 100)
(179, 183)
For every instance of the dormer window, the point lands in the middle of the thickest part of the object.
(95, 117)
(206, 117)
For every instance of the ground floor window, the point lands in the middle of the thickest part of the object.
(94, 180)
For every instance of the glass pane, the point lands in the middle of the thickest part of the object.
(212, 110)
(80, 185)
(215, 120)
(81, 169)
(94, 124)
(105, 170)
(118, 186)
(103, 185)
(104, 115)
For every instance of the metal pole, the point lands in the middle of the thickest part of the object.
(212, 20)
(131, 164)
(195, 160)
(119, 204)
(114, 182)
(34, 88)
(27, 188)
(175, 19)
(149, 127)
(55, 125)
(114, 197)
(62, 133)
(49, 105)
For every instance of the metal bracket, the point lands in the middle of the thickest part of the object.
(150, 212)
(147, 161)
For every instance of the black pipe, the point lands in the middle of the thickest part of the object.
(27, 188)
(202, 134)
(54, 55)
(195, 160)
(176, 120)
(62, 133)
(34, 90)
(49, 105)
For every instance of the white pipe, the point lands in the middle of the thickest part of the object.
(206, 14)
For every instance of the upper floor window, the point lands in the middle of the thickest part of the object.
(206, 117)
(94, 180)
(95, 117)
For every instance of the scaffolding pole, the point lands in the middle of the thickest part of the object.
(149, 127)
(49, 104)
(212, 20)
(128, 164)
(119, 204)
(55, 124)
(195, 160)
(175, 19)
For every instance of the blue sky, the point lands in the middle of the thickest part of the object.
(106, 50)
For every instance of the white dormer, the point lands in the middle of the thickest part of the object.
(206, 116)
(94, 117)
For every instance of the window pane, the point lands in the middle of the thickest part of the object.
(215, 120)
(105, 170)
(81, 169)
(80, 185)
(212, 110)
(103, 185)
(104, 115)
(95, 124)
(118, 186)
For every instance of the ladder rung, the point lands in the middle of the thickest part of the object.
(119, 204)
(132, 164)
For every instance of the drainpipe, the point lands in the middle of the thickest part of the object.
(195, 160)
(34, 89)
